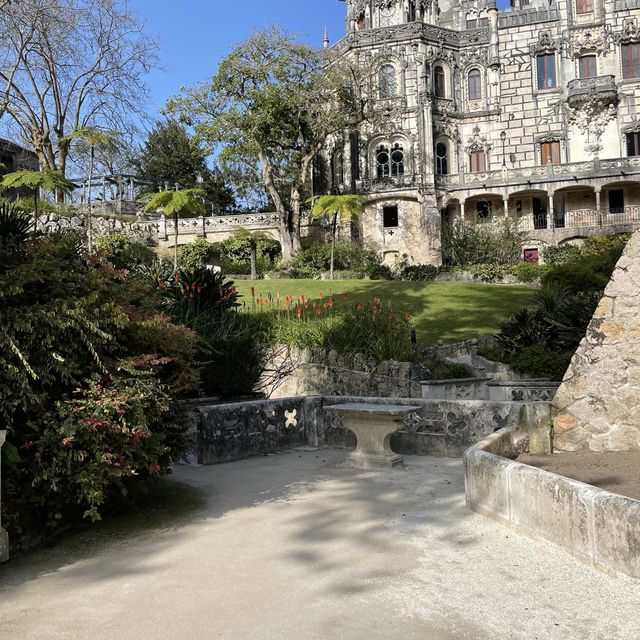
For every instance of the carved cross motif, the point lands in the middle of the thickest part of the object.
(290, 419)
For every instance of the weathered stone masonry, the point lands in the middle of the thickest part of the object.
(598, 403)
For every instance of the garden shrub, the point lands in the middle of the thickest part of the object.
(89, 371)
(487, 272)
(539, 361)
(196, 255)
(233, 353)
(418, 272)
(561, 255)
(527, 271)
(123, 252)
(348, 256)
(380, 272)
(496, 243)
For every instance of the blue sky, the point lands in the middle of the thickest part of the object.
(197, 34)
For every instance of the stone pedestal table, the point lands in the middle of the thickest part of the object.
(373, 425)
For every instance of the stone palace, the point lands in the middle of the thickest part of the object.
(527, 111)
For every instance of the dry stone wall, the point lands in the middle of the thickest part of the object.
(598, 404)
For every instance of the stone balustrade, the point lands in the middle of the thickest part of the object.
(4, 538)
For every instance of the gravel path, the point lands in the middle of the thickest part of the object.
(297, 546)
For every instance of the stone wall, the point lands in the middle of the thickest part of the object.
(315, 373)
(598, 403)
(228, 432)
(4, 538)
(143, 231)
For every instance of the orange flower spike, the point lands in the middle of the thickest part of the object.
(358, 306)
(321, 295)
(299, 312)
(331, 302)
(302, 298)
(318, 312)
(325, 306)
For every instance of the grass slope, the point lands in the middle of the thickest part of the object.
(449, 311)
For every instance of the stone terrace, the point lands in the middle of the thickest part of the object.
(299, 546)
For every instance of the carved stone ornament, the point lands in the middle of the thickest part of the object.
(447, 127)
(477, 142)
(384, 4)
(630, 33)
(634, 127)
(591, 118)
(545, 44)
(477, 55)
(357, 8)
(588, 40)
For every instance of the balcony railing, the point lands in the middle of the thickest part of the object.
(583, 88)
(539, 174)
(576, 219)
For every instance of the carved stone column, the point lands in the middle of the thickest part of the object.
(4, 538)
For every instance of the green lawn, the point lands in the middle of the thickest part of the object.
(450, 311)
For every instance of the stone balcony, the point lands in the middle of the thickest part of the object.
(603, 88)
(540, 175)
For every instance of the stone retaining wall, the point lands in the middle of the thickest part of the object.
(228, 432)
(144, 231)
(598, 527)
(4, 538)
(316, 373)
(488, 389)
(598, 403)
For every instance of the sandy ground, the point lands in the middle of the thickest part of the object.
(617, 471)
(297, 546)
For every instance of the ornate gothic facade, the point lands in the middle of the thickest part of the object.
(529, 112)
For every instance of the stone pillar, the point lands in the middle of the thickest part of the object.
(462, 211)
(598, 207)
(550, 213)
(505, 206)
(4, 538)
(202, 232)
(162, 228)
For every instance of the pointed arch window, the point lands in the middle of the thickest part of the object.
(387, 83)
(474, 84)
(439, 82)
(442, 158)
(397, 160)
(383, 162)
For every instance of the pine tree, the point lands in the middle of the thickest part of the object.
(170, 155)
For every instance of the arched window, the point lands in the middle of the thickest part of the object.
(383, 162)
(442, 159)
(390, 162)
(439, 82)
(338, 169)
(387, 81)
(397, 160)
(474, 84)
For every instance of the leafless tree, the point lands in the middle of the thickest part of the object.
(79, 63)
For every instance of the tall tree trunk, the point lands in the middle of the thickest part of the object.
(175, 241)
(254, 260)
(90, 202)
(35, 210)
(334, 228)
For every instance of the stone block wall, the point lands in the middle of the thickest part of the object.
(598, 404)
(315, 373)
